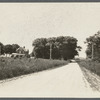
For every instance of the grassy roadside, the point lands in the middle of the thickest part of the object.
(93, 66)
(10, 67)
(91, 71)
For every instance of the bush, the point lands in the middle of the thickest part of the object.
(10, 67)
(91, 65)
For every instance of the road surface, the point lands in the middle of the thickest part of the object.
(66, 81)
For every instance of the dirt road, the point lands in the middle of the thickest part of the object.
(66, 81)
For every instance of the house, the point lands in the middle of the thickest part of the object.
(21, 52)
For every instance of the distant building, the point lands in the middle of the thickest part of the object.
(21, 50)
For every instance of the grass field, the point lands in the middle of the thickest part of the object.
(90, 65)
(10, 67)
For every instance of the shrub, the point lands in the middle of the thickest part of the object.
(91, 65)
(10, 67)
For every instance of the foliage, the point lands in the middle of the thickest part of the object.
(10, 67)
(39, 47)
(15, 47)
(8, 49)
(91, 65)
(95, 42)
(1, 48)
(62, 47)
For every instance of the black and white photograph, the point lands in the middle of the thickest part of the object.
(50, 50)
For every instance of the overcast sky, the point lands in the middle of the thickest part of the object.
(21, 23)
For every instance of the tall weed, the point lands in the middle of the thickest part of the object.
(10, 67)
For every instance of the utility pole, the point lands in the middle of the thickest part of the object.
(50, 50)
(93, 54)
(93, 44)
(92, 50)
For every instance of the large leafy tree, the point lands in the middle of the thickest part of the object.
(93, 46)
(15, 47)
(67, 47)
(39, 47)
(8, 49)
(56, 47)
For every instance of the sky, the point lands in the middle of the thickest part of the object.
(21, 23)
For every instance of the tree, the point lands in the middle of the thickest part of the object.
(39, 47)
(93, 46)
(8, 49)
(1, 48)
(15, 47)
(67, 47)
(56, 47)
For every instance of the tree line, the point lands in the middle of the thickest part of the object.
(62, 47)
(8, 49)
